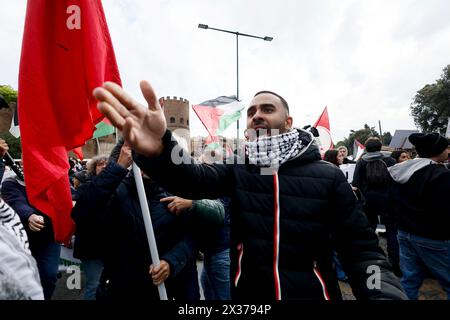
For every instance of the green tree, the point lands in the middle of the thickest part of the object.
(386, 138)
(8, 93)
(15, 147)
(362, 135)
(431, 105)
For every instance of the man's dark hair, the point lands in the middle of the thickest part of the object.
(284, 102)
(373, 144)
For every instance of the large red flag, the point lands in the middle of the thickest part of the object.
(66, 53)
(323, 127)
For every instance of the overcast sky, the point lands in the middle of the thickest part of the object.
(365, 60)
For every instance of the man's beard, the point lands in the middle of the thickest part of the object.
(273, 151)
(254, 134)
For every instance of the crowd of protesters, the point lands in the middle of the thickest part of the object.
(290, 234)
(289, 210)
(407, 196)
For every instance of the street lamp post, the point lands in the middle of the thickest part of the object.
(205, 26)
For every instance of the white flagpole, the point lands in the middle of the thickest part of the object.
(98, 146)
(148, 225)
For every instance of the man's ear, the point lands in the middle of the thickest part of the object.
(288, 122)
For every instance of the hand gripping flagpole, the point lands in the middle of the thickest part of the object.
(148, 225)
(9, 161)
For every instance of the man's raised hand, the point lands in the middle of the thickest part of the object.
(142, 128)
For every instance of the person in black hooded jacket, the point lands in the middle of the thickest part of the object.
(86, 246)
(372, 178)
(290, 209)
(111, 198)
(422, 211)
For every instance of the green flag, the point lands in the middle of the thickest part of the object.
(103, 129)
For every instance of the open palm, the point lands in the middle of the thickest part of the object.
(142, 128)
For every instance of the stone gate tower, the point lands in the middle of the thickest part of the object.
(176, 111)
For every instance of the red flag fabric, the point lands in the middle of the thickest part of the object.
(66, 53)
(323, 127)
(79, 153)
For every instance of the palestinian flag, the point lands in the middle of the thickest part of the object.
(103, 128)
(14, 129)
(323, 127)
(217, 114)
(358, 150)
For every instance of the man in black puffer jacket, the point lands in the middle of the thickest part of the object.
(290, 209)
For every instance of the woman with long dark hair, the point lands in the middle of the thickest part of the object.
(334, 156)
